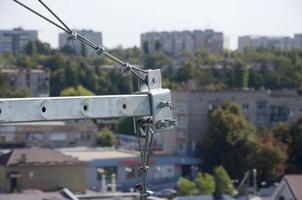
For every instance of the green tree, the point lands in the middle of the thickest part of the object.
(230, 140)
(37, 47)
(83, 50)
(205, 183)
(68, 50)
(295, 148)
(76, 91)
(105, 138)
(241, 75)
(156, 60)
(186, 187)
(223, 182)
(186, 72)
(233, 142)
(30, 48)
(125, 126)
(157, 45)
(291, 136)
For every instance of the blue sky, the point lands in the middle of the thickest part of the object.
(122, 21)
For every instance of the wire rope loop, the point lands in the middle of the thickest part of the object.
(100, 50)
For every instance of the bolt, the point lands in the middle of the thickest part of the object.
(138, 187)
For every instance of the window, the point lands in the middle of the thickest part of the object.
(82, 136)
(34, 136)
(180, 134)
(261, 105)
(245, 106)
(180, 147)
(181, 119)
(58, 136)
(130, 172)
(107, 171)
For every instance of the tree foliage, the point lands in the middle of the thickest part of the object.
(291, 136)
(233, 142)
(105, 138)
(205, 183)
(186, 187)
(223, 184)
(76, 91)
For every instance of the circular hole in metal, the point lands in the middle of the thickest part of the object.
(43, 109)
(0, 111)
(153, 80)
(85, 107)
(124, 106)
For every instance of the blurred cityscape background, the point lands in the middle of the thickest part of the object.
(238, 109)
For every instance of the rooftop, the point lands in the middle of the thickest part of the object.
(295, 182)
(88, 154)
(35, 156)
(34, 195)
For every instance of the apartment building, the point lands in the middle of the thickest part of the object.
(79, 47)
(262, 108)
(48, 134)
(267, 42)
(175, 42)
(15, 40)
(35, 80)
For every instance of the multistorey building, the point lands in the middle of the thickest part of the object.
(15, 40)
(266, 42)
(48, 134)
(174, 43)
(79, 47)
(192, 109)
(35, 80)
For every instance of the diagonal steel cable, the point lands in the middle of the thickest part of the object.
(98, 49)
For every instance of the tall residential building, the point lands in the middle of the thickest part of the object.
(298, 41)
(54, 134)
(173, 43)
(262, 108)
(35, 80)
(79, 47)
(267, 42)
(15, 40)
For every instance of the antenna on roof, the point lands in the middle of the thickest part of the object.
(137, 72)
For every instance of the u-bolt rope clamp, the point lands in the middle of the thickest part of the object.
(127, 68)
(100, 50)
(73, 36)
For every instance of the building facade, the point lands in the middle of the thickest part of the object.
(42, 169)
(164, 170)
(34, 80)
(48, 134)
(174, 43)
(265, 42)
(262, 108)
(79, 47)
(15, 40)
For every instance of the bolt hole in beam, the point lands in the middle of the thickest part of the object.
(85, 107)
(43, 109)
(0, 111)
(124, 106)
